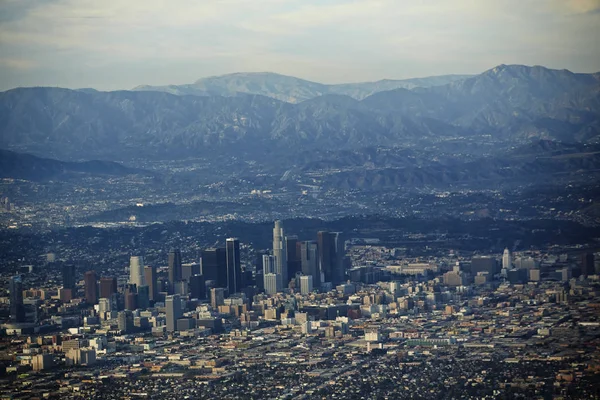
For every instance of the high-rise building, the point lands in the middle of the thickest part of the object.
(217, 297)
(91, 287)
(42, 362)
(306, 284)
(310, 262)
(338, 274)
(588, 264)
(136, 271)
(125, 321)
(150, 277)
(395, 288)
(452, 278)
(234, 268)
(197, 287)
(181, 288)
(331, 256)
(189, 270)
(131, 297)
(506, 260)
(104, 305)
(268, 264)
(174, 268)
(173, 311)
(108, 287)
(17, 310)
(143, 297)
(534, 275)
(280, 252)
(272, 283)
(293, 257)
(68, 275)
(213, 266)
(80, 357)
(483, 264)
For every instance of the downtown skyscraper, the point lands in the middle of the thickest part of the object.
(280, 252)
(173, 311)
(91, 287)
(17, 310)
(331, 256)
(234, 268)
(136, 271)
(174, 269)
(213, 266)
(150, 277)
(309, 260)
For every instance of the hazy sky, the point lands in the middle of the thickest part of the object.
(115, 44)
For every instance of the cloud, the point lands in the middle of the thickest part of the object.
(583, 6)
(17, 64)
(175, 41)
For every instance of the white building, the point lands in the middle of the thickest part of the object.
(280, 252)
(80, 357)
(506, 260)
(372, 336)
(268, 264)
(306, 284)
(136, 271)
(272, 285)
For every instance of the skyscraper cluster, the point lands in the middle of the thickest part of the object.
(322, 260)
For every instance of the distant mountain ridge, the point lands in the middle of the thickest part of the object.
(506, 103)
(291, 89)
(29, 167)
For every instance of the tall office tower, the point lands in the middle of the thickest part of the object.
(17, 310)
(506, 260)
(197, 287)
(234, 268)
(173, 311)
(325, 248)
(181, 288)
(91, 287)
(174, 268)
(588, 264)
(68, 275)
(108, 287)
(306, 284)
(309, 259)
(150, 277)
(125, 321)
(189, 270)
(217, 297)
(339, 272)
(104, 306)
(483, 264)
(272, 283)
(213, 266)
(280, 252)
(331, 256)
(136, 271)
(268, 264)
(143, 297)
(293, 259)
(131, 297)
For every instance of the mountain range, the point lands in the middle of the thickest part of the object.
(505, 104)
(291, 89)
(29, 167)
